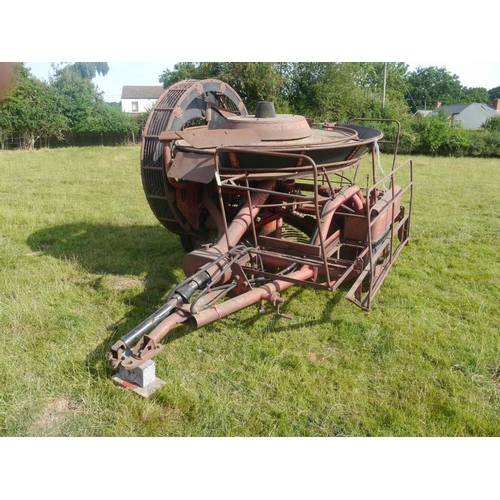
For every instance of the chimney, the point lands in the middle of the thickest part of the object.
(438, 103)
(496, 104)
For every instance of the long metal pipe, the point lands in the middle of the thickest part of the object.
(331, 206)
(167, 324)
(214, 212)
(239, 302)
(224, 309)
(149, 323)
(243, 220)
(230, 237)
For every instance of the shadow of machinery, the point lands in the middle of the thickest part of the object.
(154, 256)
(125, 256)
(282, 323)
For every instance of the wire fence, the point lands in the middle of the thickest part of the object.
(19, 140)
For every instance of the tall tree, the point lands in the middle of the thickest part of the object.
(181, 71)
(432, 84)
(254, 81)
(300, 85)
(31, 108)
(89, 70)
(371, 75)
(339, 91)
(474, 94)
(79, 98)
(494, 93)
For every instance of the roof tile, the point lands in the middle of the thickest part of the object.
(142, 91)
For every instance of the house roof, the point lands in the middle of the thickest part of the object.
(455, 109)
(422, 112)
(142, 91)
(452, 109)
(489, 110)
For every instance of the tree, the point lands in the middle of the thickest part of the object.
(339, 91)
(299, 85)
(253, 81)
(494, 93)
(426, 86)
(69, 105)
(181, 71)
(474, 94)
(31, 108)
(370, 75)
(78, 96)
(322, 90)
(88, 70)
(493, 124)
(338, 95)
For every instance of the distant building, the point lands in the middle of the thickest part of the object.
(422, 112)
(471, 116)
(139, 98)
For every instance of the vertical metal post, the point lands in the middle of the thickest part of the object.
(384, 86)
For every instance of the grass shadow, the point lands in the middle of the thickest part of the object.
(127, 257)
(280, 323)
(148, 256)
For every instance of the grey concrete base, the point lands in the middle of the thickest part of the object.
(141, 380)
(145, 392)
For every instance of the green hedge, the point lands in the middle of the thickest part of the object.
(436, 136)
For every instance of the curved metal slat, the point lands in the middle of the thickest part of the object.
(180, 103)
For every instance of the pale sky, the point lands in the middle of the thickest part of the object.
(479, 74)
(120, 74)
(471, 74)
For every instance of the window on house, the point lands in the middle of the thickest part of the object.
(135, 106)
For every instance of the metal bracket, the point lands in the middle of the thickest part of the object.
(276, 300)
(146, 349)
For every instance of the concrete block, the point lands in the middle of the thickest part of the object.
(142, 380)
(143, 375)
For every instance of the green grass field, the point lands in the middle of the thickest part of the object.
(83, 260)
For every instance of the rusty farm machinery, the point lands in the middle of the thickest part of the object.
(261, 203)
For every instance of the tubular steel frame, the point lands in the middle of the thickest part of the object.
(402, 227)
(234, 182)
(253, 267)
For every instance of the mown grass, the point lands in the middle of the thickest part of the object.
(83, 260)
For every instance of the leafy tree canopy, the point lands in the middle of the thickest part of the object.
(181, 71)
(323, 90)
(339, 91)
(32, 108)
(79, 97)
(253, 81)
(494, 93)
(474, 94)
(426, 86)
(370, 75)
(66, 106)
(87, 70)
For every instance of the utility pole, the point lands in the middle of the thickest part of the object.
(384, 85)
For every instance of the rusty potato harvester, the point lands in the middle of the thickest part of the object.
(262, 203)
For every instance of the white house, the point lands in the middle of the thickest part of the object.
(139, 98)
